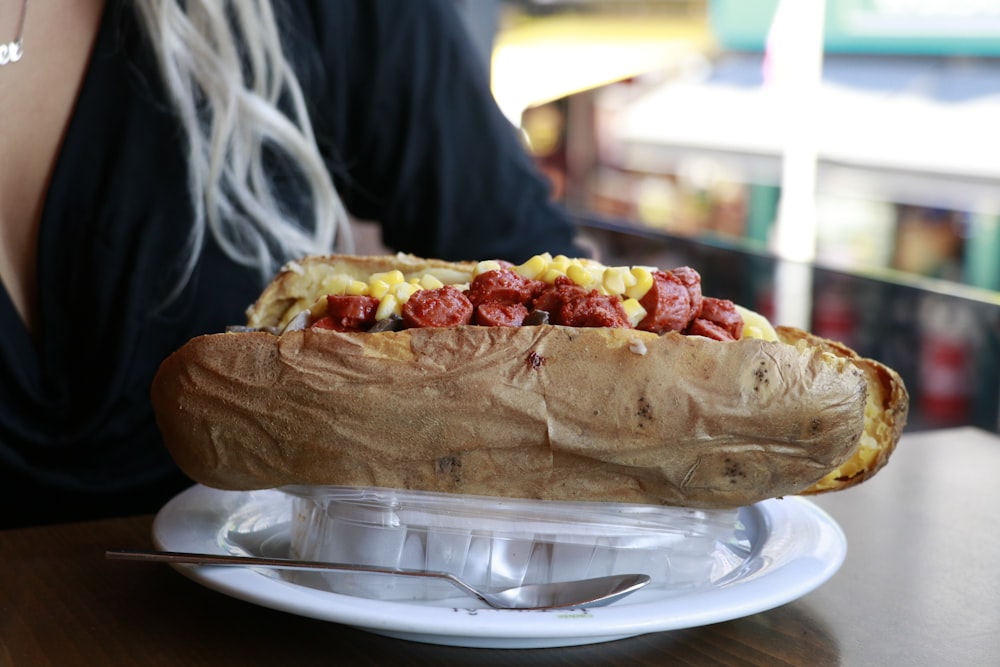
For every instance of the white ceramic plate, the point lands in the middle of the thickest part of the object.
(796, 547)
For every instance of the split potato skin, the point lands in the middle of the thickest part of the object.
(543, 412)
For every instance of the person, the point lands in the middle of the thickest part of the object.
(161, 159)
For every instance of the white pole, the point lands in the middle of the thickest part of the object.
(793, 78)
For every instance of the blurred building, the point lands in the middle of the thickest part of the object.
(662, 113)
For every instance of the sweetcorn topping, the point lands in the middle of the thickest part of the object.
(551, 275)
(581, 276)
(428, 281)
(616, 279)
(318, 309)
(534, 266)
(634, 310)
(561, 263)
(404, 291)
(756, 325)
(393, 277)
(378, 288)
(486, 266)
(356, 288)
(643, 281)
(335, 284)
(388, 306)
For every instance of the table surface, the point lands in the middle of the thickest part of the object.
(919, 586)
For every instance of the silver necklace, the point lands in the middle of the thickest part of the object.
(11, 52)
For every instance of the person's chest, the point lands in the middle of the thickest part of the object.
(113, 231)
(38, 95)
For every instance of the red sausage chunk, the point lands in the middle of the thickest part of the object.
(569, 304)
(443, 307)
(594, 310)
(552, 297)
(348, 313)
(726, 322)
(503, 287)
(672, 302)
(495, 314)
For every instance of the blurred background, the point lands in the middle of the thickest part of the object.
(834, 164)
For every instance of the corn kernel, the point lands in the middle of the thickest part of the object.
(550, 275)
(756, 325)
(534, 266)
(389, 305)
(378, 288)
(595, 269)
(318, 309)
(428, 281)
(616, 279)
(612, 283)
(335, 284)
(404, 291)
(643, 281)
(356, 288)
(634, 310)
(485, 266)
(560, 263)
(580, 276)
(393, 277)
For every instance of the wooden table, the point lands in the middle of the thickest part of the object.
(920, 586)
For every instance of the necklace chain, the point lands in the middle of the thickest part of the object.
(12, 51)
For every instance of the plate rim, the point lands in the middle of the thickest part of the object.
(786, 570)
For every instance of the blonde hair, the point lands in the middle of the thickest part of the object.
(223, 66)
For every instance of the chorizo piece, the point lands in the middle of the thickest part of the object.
(718, 320)
(495, 314)
(503, 286)
(672, 302)
(348, 313)
(442, 307)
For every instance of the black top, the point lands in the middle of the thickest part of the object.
(414, 140)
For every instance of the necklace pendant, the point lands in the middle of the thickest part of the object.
(10, 53)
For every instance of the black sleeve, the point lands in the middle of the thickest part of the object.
(416, 140)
